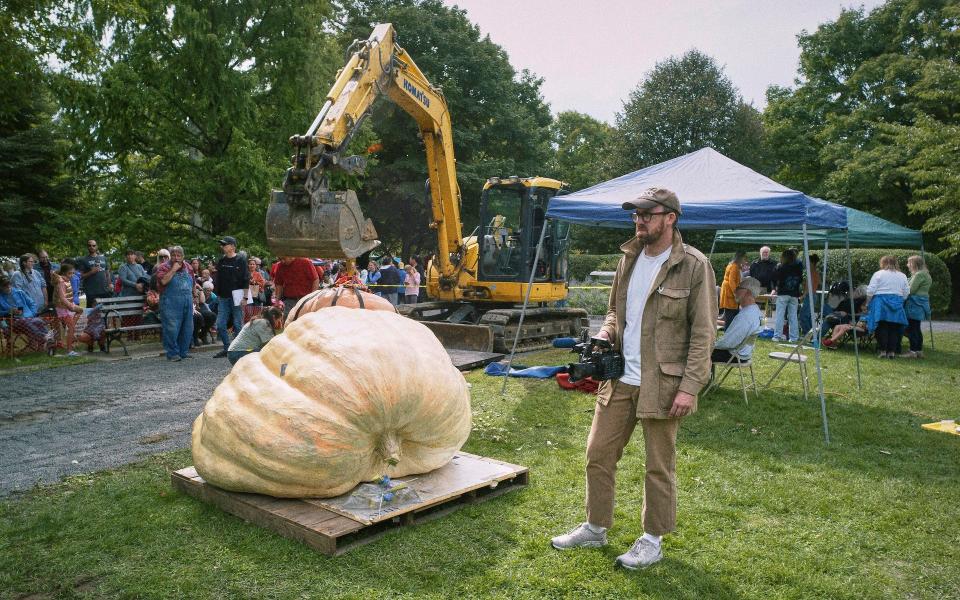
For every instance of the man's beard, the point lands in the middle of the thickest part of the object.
(653, 234)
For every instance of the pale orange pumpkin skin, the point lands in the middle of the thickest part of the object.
(348, 405)
(337, 296)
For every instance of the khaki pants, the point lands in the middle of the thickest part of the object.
(612, 427)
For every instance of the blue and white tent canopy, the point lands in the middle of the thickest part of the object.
(715, 193)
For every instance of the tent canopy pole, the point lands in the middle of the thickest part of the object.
(853, 314)
(816, 346)
(823, 286)
(923, 255)
(526, 300)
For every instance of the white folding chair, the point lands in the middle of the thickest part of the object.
(794, 356)
(734, 362)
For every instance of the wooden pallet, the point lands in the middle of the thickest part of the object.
(324, 524)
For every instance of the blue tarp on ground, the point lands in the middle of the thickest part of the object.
(715, 193)
(521, 371)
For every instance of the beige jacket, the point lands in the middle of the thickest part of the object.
(678, 330)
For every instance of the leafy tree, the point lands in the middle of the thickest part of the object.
(872, 120)
(683, 105)
(932, 171)
(181, 111)
(500, 121)
(582, 158)
(33, 182)
(582, 148)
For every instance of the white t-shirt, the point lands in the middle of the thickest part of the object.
(888, 281)
(645, 270)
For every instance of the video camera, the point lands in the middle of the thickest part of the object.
(597, 359)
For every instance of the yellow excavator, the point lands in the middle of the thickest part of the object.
(475, 282)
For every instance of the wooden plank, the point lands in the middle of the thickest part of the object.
(464, 473)
(235, 504)
(121, 300)
(311, 521)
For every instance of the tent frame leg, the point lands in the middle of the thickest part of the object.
(853, 315)
(526, 301)
(816, 347)
(923, 255)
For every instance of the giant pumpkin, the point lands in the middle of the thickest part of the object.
(347, 296)
(340, 397)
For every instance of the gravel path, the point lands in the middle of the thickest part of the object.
(91, 417)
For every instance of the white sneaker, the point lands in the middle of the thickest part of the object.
(72, 353)
(579, 537)
(641, 555)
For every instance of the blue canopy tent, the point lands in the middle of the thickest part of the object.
(715, 193)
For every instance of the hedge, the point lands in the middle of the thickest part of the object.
(864, 261)
(579, 266)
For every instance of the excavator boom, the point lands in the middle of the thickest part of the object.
(306, 218)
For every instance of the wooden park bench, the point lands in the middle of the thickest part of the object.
(120, 310)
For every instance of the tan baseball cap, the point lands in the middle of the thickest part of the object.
(655, 196)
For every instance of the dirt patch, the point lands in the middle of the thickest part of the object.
(154, 439)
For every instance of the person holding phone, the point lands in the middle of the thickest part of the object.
(175, 283)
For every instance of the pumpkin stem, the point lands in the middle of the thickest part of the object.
(389, 449)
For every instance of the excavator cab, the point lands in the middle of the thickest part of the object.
(512, 217)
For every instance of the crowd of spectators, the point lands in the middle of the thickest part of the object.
(885, 310)
(193, 300)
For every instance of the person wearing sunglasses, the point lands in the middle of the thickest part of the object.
(662, 317)
(95, 277)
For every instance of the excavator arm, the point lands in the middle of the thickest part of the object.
(306, 218)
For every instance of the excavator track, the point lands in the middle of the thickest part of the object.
(540, 326)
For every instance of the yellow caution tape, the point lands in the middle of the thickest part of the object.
(572, 287)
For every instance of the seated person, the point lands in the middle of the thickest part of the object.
(842, 329)
(15, 303)
(255, 334)
(744, 324)
(92, 326)
(840, 314)
(203, 318)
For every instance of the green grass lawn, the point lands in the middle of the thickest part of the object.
(766, 509)
(41, 360)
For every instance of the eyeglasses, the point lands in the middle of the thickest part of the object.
(91, 245)
(647, 216)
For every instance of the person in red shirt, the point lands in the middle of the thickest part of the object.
(295, 278)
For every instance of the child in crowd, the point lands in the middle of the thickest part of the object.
(92, 327)
(411, 285)
(67, 310)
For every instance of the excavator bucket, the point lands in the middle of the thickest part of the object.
(469, 346)
(331, 225)
(458, 336)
